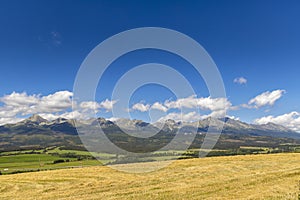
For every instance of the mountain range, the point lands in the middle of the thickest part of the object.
(36, 130)
(37, 124)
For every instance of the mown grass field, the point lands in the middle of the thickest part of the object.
(269, 176)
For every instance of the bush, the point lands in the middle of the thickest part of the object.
(58, 161)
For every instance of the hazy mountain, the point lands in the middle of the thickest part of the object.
(272, 126)
(137, 127)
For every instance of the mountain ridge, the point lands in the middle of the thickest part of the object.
(230, 125)
(39, 132)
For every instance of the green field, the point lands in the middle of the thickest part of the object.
(36, 160)
(58, 157)
(33, 162)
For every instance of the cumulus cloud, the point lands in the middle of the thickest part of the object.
(30, 104)
(189, 102)
(217, 106)
(159, 106)
(216, 114)
(113, 119)
(233, 117)
(205, 103)
(11, 111)
(76, 115)
(193, 116)
(141, 107)
(67, 115)
(7, 120)
(290, 120)
(49, 116)
(89, 105)
(50, 106)
(266, 98)
(214, 104)
(107, 104)
(240, 80)
(19, 99)
(56, 102)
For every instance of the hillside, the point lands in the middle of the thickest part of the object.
(235, 177)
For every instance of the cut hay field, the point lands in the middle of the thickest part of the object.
(271, 176)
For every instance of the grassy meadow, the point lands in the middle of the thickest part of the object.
(263, 176)
(54, 158)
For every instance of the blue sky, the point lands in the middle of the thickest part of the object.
(43, 44)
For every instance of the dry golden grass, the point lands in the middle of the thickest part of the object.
(239, 177)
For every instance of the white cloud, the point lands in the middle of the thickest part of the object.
(50, 106)
(11, 111)
(240, 80)
(22, 103)
(266, 98)
(290, 120)
(217, 114)
(189, 102)
(141, 107)
(159, 106)
(56, 102)
(214, 104)
(193, 116)
(113, 119)
(67, 115)
(205, 103)
(89, 105)
(107, 104)
(233, 117)
(217, 106)
(7, 120)
(19, 99)
(49, 116)
(76, 115)
(92, 105)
